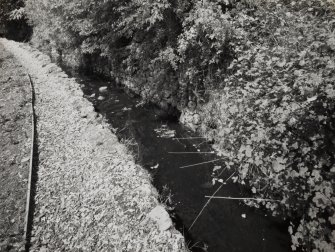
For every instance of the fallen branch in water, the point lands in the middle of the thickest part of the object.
(232, 198)
(201, 163)
(203, 208)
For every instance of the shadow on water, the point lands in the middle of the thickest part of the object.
(221, 226)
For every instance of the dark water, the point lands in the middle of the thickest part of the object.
(221, 226)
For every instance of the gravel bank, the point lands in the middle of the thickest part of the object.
(91, 196)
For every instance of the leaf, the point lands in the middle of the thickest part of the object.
(233, 109)
(331, 43)
(253, 190)
(312, 98)
(281, 64)
(279, 164)
(248, 151)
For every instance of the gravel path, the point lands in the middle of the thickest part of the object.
(91, 196)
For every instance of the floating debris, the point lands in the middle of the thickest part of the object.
(165, 132)
(140, 104)
(103, 89)
(155, 166)
(101, 98)
(126, 109)
(217, 167)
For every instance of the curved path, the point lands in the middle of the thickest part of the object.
(90, 195)
(15, 133)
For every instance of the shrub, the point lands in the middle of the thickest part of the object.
(275, 115)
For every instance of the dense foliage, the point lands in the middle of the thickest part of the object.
(13, 20)
(6, 7)
(176, 46)
(259, 73)
(274, 119)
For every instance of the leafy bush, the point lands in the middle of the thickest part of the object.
(5, 9)
(17, 14)
(275, 116)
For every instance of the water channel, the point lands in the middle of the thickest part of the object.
(158, 143)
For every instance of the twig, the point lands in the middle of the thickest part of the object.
(232, 198)
(203, 208)
(200, 144)
(222, 171)
(195, 245)
(176, 138)
(195, 152)
(125, 127)
(201, 163)
(181, 143)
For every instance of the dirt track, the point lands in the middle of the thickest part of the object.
(15, 133)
